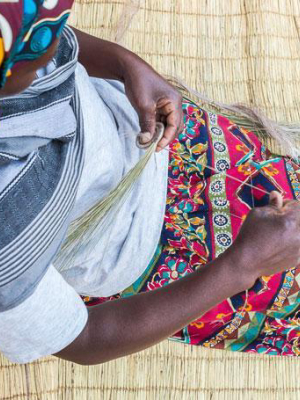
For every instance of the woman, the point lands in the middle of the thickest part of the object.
(66, 142)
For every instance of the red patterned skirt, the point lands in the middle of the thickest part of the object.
(205, 208)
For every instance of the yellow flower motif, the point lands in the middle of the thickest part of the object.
(246, 169)
(270, 170)
(198, 325)
(178, 146)
(248, 307)
(169, 226)
(221, 316)
(196, 221)
(267, 328)
(296, 348)
(242, 147)
(1, 51)
(244, 131)
(199, 148)
(296, 322)
(199, 117)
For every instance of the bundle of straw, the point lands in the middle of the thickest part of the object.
(280, 138)
(85, 231)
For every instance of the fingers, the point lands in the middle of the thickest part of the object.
(145, 137)
(170, 132)
(275, 199)
(172, 116)
(147, 119)
(168, 111)
(292, 207)
(289, 210)
(285, 212)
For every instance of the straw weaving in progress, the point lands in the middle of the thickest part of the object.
(204, 212)
(226, 161)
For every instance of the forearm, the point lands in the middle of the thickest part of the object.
(128, 325)
(152, 97)
(101, 58)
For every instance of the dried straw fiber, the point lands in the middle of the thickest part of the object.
(232, 50)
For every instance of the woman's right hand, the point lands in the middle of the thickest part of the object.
(268, 242)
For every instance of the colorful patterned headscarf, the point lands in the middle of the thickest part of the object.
(27, 30)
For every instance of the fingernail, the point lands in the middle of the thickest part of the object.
(145, 137)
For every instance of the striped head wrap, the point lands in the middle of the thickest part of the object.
(27, 30)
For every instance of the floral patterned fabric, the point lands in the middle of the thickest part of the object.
(211, 166)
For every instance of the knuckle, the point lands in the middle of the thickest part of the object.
(147, 108)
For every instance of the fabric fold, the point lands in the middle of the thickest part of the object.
(36, 203)
(47, 114)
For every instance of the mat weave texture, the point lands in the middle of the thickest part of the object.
(233, 51)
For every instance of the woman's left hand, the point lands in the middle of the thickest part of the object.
(154, 99)
(150, 94)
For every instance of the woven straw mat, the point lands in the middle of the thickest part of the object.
(231, 50)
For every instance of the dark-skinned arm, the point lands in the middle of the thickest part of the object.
(124, 326)
(153, 98)
(101, 58)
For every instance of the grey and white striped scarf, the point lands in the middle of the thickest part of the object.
(43, 128)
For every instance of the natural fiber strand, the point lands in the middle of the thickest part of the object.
(85, 231)
(281, 138)
(234, 50)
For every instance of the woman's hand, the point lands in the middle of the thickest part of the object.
(154, 99)
(151, 95)
(269, 240)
